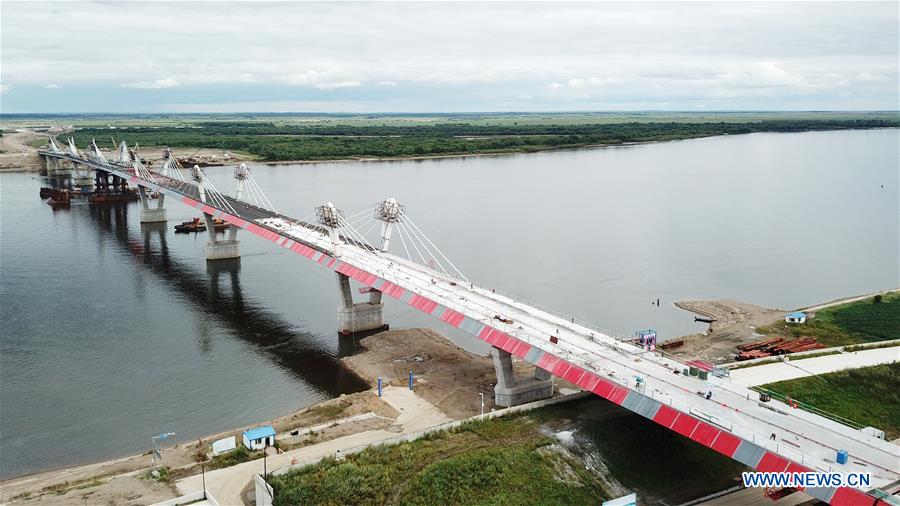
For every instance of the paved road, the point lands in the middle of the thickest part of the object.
(781, 371)
(416, 414)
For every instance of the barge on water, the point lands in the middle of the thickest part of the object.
(198, 225)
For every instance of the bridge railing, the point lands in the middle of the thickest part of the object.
(782, 448)
(558, 314)
(810, 408)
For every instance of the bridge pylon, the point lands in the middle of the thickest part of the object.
(512, 391)
(149, 214)
(216, 249)
(353, 317)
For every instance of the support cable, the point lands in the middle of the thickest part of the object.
(406, 218)
(354, 234)
(416, 247)
(403, 241)
(436, 261)
(263, 198)
(369, 229)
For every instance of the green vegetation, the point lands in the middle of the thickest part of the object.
(875, 346)
(64, 487)
(869, 396)
(404, 136)
(12, 121)
(754, 364)
(855, 322)
(502, 461)
(236, 456)
(328, 411)
(511, 460)
(795, 358)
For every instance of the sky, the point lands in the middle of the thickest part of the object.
(447, 57)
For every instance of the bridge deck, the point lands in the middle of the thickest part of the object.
(732, 422)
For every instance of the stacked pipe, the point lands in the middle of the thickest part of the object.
(777, 346)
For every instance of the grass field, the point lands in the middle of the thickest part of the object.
(870, 396)
(502, 461)
(856, 322)
(512, 460)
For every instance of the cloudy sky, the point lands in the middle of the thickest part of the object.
(411, 57)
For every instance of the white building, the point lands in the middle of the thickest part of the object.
(258, 438)
(795, 317)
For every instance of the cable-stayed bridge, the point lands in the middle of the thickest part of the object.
(401, 262)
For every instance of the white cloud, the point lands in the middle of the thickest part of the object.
(327, 79)
(53, 87)
(579, 82)
(635, 52)
(159, 84)
(5, 87)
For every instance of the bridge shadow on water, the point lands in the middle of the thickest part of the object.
(218, 297)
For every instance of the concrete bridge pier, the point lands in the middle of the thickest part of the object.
(360, 316)
(217, 249)
(511, 391)
(81, 176)
(57, 168)
(151, 214)
(46, 161)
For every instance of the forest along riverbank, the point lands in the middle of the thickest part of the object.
(271, 142)
(286, 142)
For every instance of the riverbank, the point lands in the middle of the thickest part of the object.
(734, 322)
(448, 381)
(447, 377)
(285, 140)
(18, 151)
(334, 145)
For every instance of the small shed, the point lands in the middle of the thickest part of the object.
(259, 437)
(795, 317)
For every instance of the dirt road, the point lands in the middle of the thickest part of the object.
(15, 151)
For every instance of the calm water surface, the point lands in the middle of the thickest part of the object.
(113, 331)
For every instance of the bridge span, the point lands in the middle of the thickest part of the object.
(728, 418)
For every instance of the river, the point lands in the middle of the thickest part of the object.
(113, 332)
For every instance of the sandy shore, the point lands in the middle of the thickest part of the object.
(735, 322)
(446, 376)
(16, 153)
